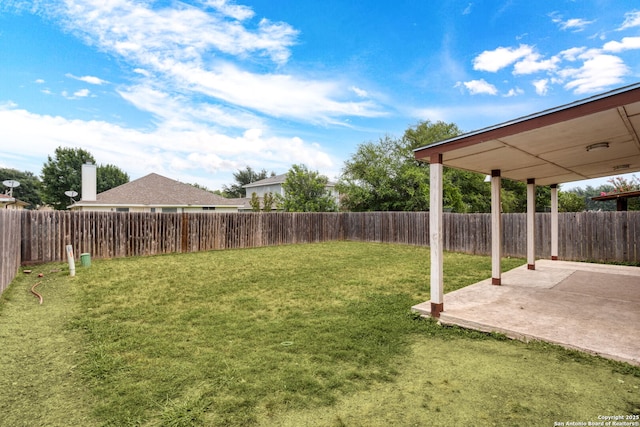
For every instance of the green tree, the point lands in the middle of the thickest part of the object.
(457, 194)
(466, 191)
(570, 202)
(255, 202)
(110, 176)
(514, 197)
(244, 177)
(63, 172)
(474, 192)
(592, 205)
(385, 176)
(29, 189)
(427, 133)
(269, 201)
(205, 188)
(306, 191)
(622, 184)
(382, 176)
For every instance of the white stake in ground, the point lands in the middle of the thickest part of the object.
(72, 263)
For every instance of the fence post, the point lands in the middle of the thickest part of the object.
(185, 232)
(42, 236)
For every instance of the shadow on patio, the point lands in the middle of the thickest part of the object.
(590, 307)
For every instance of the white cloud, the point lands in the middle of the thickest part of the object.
(178, 112)
(234, 11)
(476, 87)
(435, 114)
(495, 60)
(360, 92)
(542, 86)
(627, 43)
(514, 92)
(187, 48)
(573, 53)
(631, 19)
(573, 24)
(82, 93)
(534, 64)
(39, 81)
(87, 79)
(593, 69)
(142, 72)
(183, 33)
(278, 95)
(596, 74)
(176, 153)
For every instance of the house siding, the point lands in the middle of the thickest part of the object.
(138, 209)
(261, 191)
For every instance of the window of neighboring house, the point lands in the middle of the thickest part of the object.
(152, 210)
(122, 209)
(208, 208)
(170, 210)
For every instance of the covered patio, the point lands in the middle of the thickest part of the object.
(592, 138)
(589, 307)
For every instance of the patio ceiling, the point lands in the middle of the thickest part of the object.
(551, 146)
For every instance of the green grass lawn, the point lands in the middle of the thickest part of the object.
(302, 335)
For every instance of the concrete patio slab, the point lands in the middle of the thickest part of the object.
(589, 307)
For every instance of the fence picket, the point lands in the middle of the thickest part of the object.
(594, 236)
(37, 237)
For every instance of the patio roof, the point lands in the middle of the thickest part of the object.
(591, 138)
(621, 195)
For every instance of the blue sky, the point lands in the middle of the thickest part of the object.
(195, 90)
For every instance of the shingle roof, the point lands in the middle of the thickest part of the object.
(154, 189)
(278, 179)
(5, 198)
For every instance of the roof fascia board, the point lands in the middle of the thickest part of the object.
(584, 107)
(613, 196)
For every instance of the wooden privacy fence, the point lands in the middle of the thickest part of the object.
(30, 237)
(9, 246)
(584, 236)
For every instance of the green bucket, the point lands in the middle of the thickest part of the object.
(85, 259)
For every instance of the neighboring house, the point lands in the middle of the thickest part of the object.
(10, 202)
(273, 185)
(152, 193)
